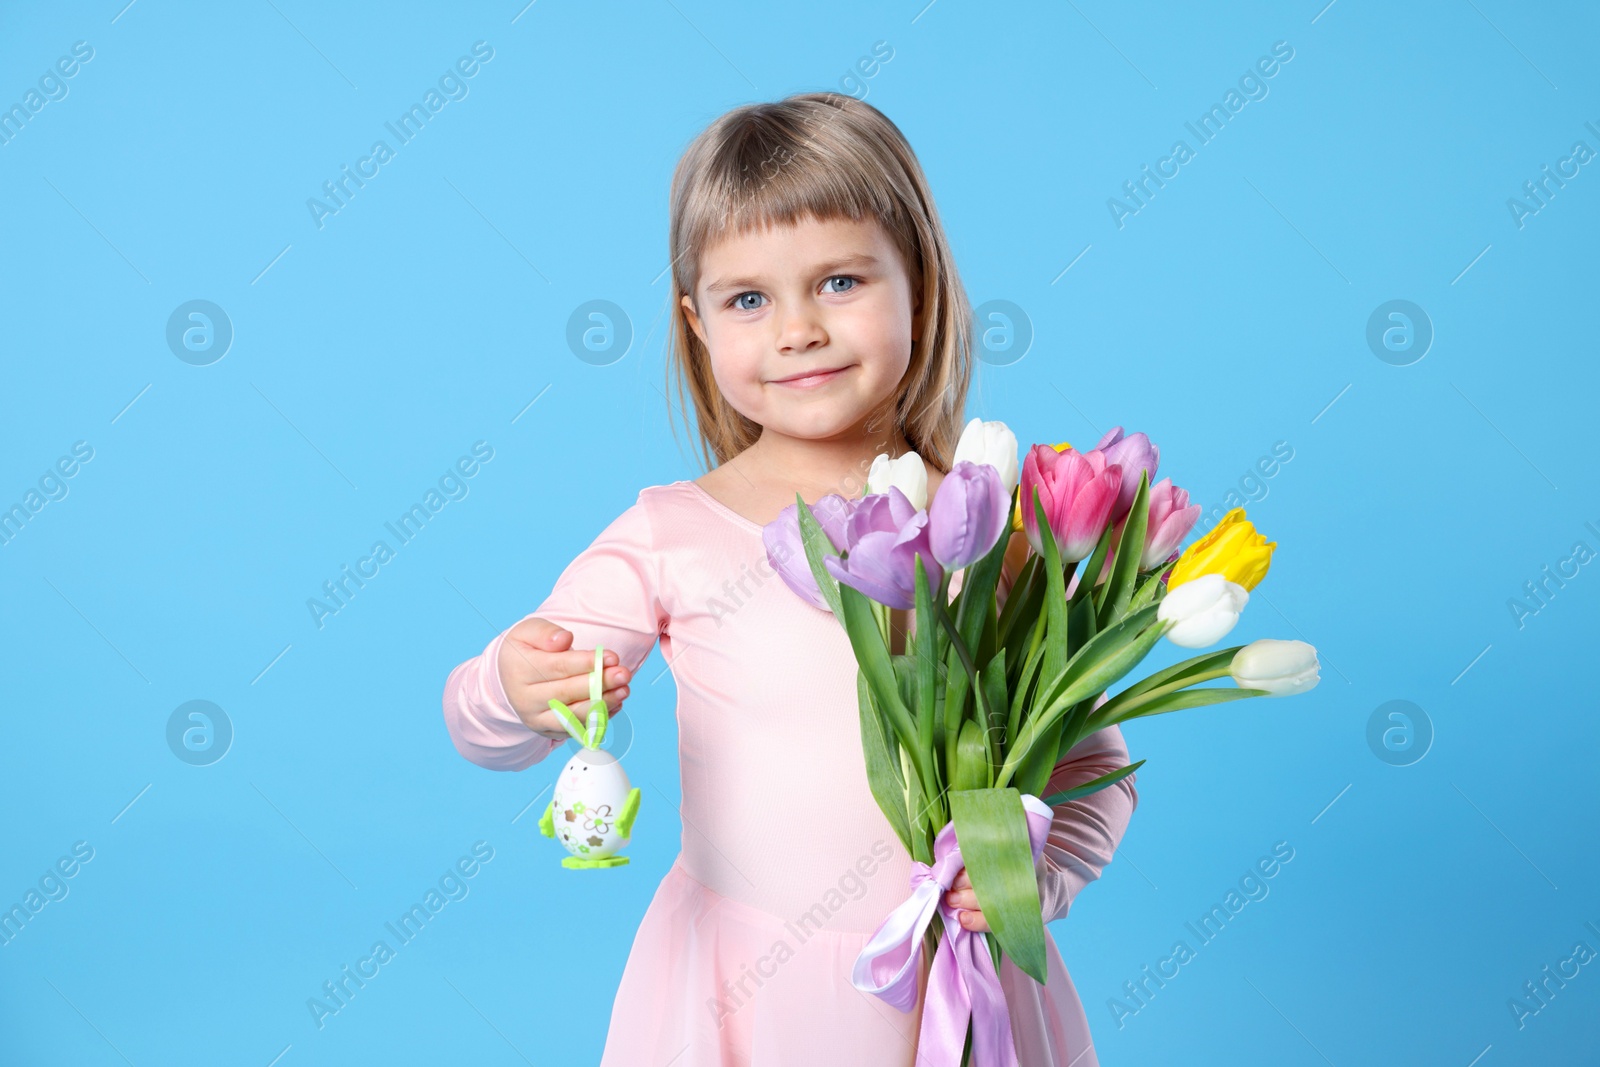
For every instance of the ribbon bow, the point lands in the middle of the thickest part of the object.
(963, 983)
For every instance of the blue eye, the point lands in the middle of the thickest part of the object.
(738, 302)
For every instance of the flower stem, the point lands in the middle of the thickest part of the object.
(955, 639)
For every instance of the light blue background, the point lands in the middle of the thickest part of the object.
(1228, 315)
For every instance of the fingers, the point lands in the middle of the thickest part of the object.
(558, 643)
(575, 688)
(969, 915)
(538, 650)
(550, 637)
(961, 896)
(581, 708)
(613, 698)
(549, 723)
(535, 666)
(538, 665)
(547, 636)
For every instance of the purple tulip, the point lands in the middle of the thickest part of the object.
(968, 514)
(786, 552)
(1135, 455)
(884, 535)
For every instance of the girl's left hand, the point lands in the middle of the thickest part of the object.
(961, 895)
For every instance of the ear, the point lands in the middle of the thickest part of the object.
(694, 320)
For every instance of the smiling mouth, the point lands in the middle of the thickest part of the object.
(814, 378)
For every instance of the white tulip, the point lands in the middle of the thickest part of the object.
(1204, 610)
(905, 472)
(992, 443)
(1282, 668)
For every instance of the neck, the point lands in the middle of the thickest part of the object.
(818, 467)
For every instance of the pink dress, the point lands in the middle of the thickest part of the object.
(786, 864)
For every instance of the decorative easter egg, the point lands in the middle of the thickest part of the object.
(592, 810)
(590, 796)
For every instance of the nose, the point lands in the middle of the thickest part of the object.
(800, 328)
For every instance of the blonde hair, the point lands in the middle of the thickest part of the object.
(821, 155)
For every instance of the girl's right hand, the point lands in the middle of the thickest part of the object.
(537, 665)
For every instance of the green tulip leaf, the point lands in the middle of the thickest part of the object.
(1183, 698)
(1022, 606)
(1112, 601)
(872, 656)
(883, 769)
(957, 686)
(1104, 659)
(817, 546)
(1197, 669)
(971, 769)
(994, 697)
(1023, 691)
(1034, 769)
(926, 639)
(1091, 570)
(1152, 589)
(992, 830)
(1093, 785)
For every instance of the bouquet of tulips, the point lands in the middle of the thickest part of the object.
(962, 729)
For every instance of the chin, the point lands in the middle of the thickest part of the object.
(820, 428)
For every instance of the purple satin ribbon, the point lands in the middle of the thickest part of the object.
(962, 984)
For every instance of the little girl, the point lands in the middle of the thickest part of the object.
(819, 322)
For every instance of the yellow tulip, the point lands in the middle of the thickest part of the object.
(1232, 549)
(1016, 512)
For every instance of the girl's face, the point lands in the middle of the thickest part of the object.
(809, 326)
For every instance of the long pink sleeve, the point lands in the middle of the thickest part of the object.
(608, 597)
(1085, 832)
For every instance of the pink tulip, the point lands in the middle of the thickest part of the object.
(1078, 491)
(1171, 519)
